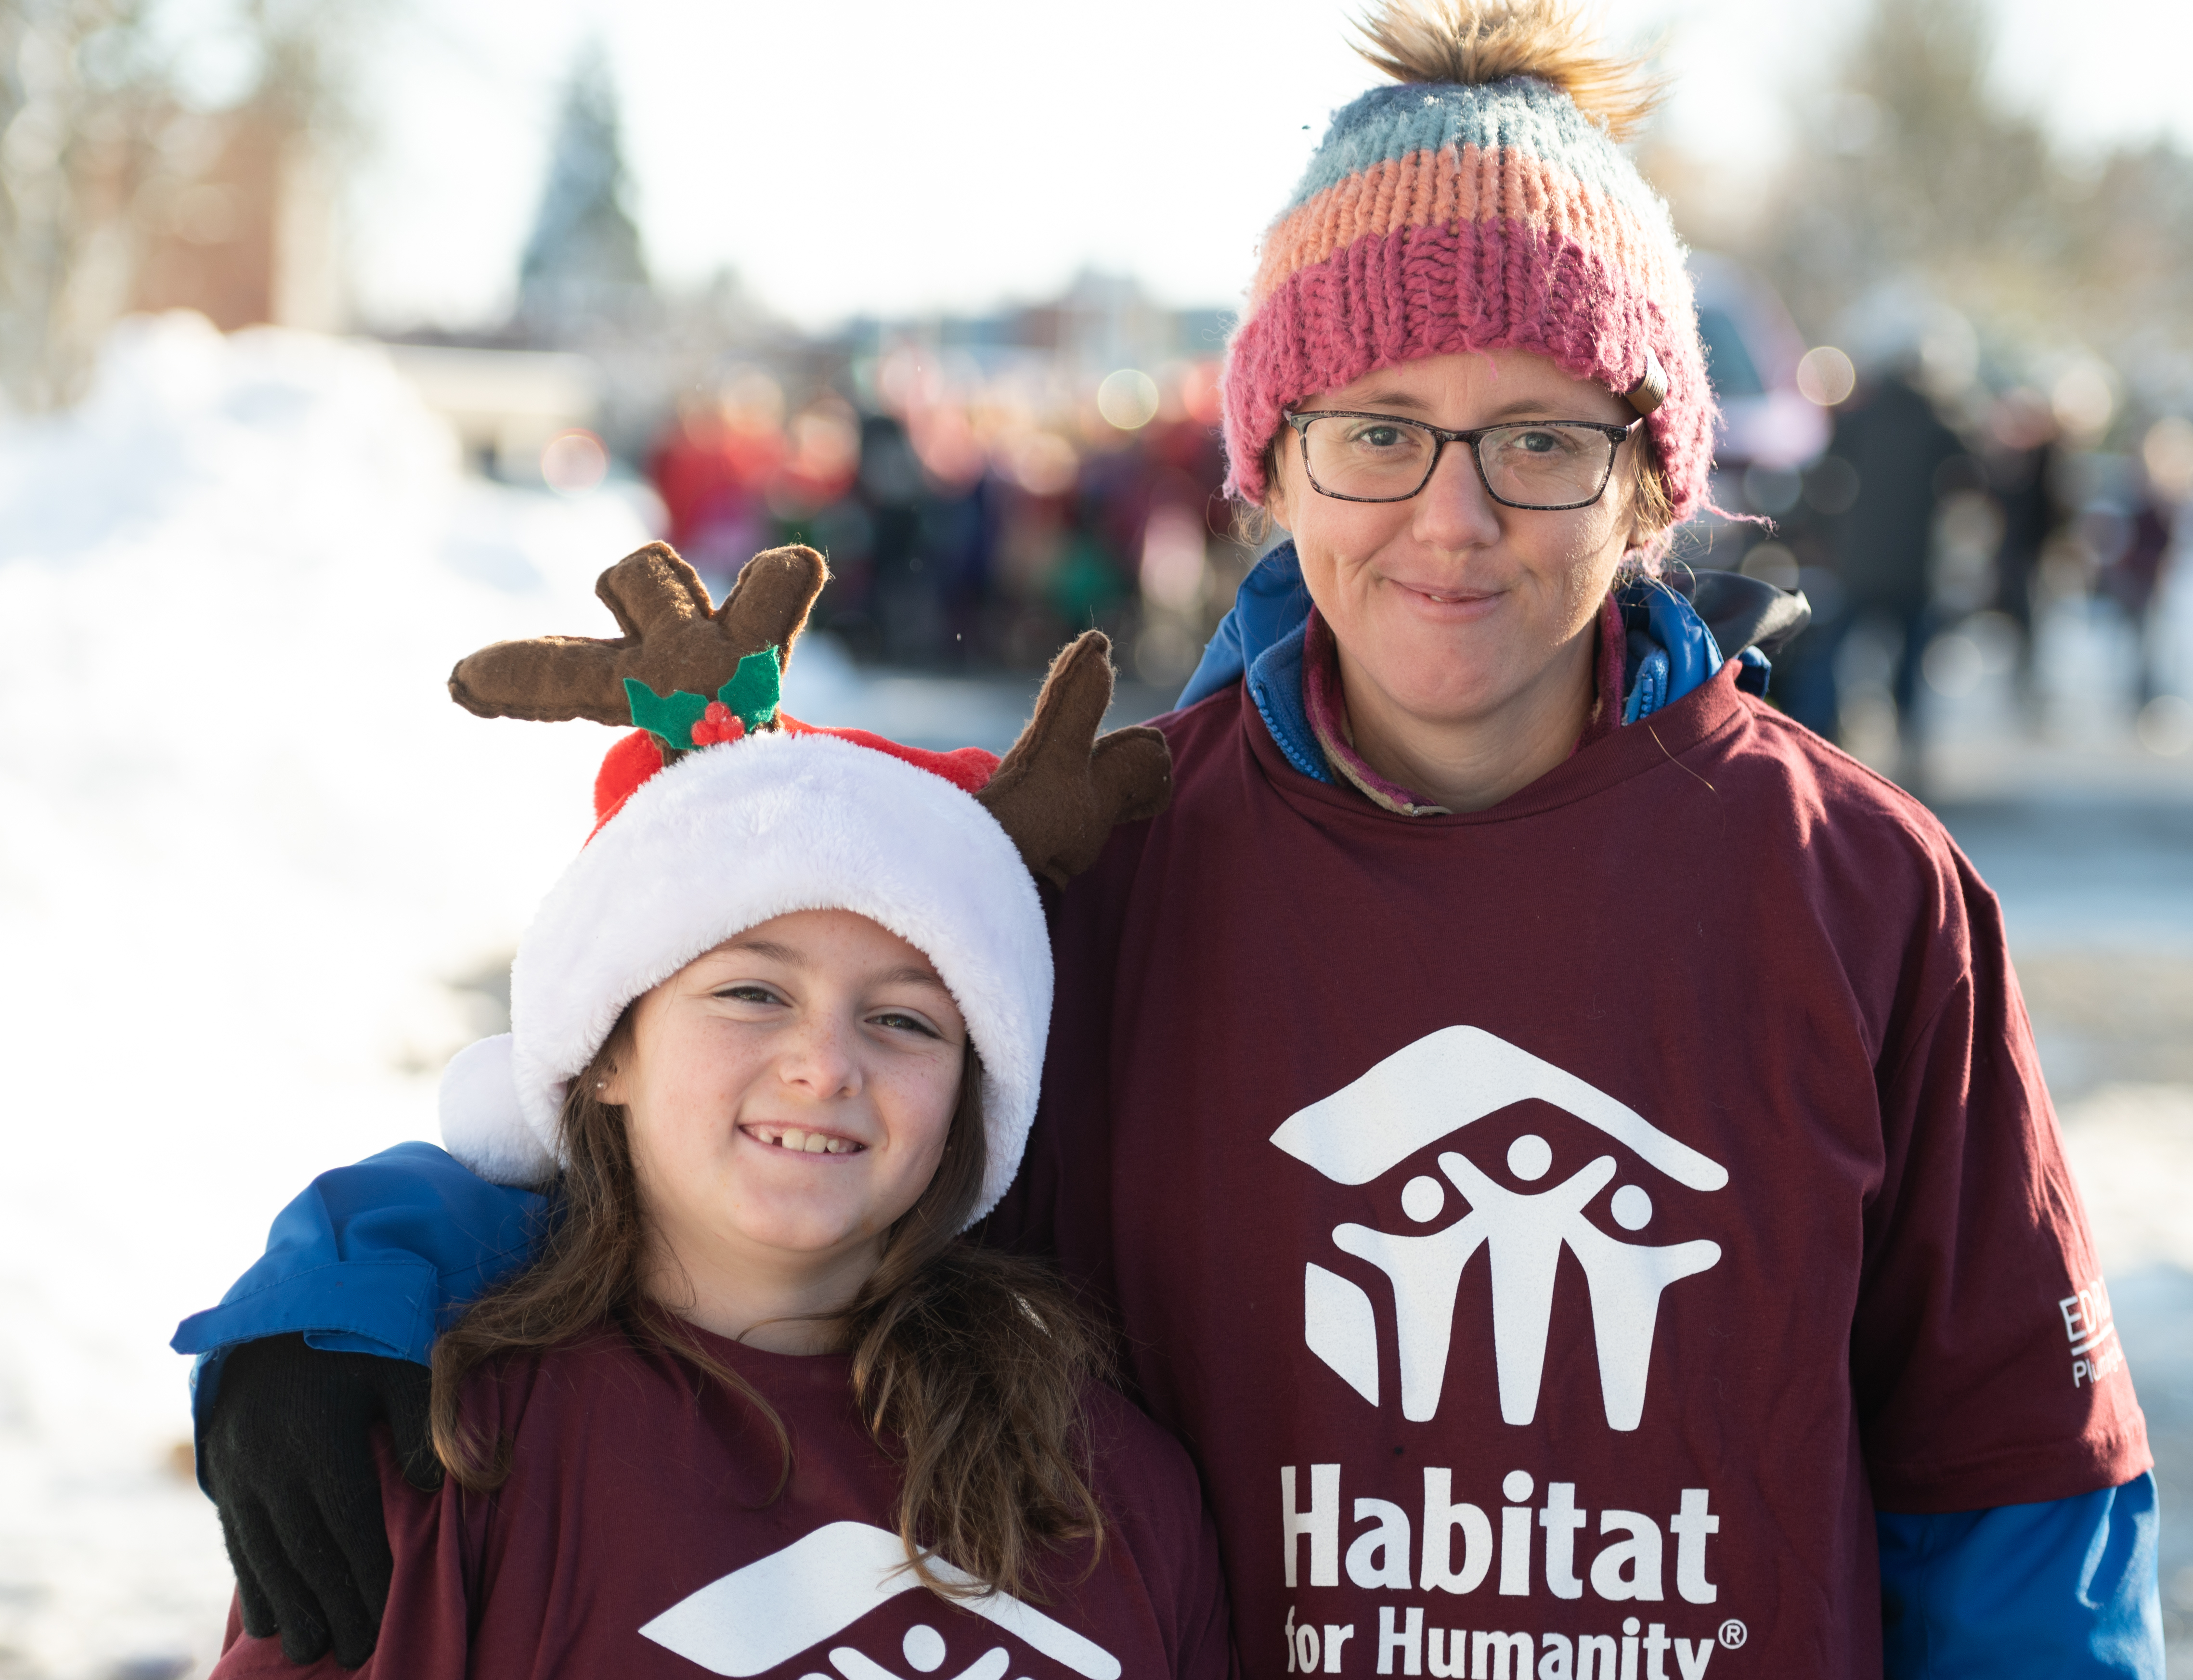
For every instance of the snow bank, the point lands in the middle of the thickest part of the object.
(246, 845)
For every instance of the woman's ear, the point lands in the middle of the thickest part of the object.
(1275, 504)
(1638, 511)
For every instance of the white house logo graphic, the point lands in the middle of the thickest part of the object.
(1430, 1090)
(776, 1607)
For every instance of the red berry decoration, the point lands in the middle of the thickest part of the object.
(718, 723)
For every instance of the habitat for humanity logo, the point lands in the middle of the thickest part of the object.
(1431, 1090)
(776, 1607)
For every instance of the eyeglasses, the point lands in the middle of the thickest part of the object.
(1548, 465)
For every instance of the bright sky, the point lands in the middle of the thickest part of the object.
(871, 155)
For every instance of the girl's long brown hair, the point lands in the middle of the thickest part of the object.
(969, 1366)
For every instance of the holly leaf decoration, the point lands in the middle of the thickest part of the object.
(754, 690)
(751, 696)
(668, 717)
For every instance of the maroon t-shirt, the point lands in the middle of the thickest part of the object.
(640, 1535)
(1554, 1229)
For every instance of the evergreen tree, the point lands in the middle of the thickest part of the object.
(583, 259)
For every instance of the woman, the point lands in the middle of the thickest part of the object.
(1494, 912)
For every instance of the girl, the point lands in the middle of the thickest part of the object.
(1564, 1142)
(753, 1405)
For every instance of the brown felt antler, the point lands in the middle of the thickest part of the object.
(1060, 790)
(672, 639)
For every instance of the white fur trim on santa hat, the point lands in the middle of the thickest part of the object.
(482, 1123)
(727, 838)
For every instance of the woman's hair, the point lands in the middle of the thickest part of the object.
(969, 1365)
(1473, 42)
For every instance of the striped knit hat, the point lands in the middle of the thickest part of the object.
(1483, 204)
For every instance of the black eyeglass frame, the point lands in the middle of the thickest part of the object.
(1300, 419)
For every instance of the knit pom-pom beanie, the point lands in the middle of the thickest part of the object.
(1482, 204)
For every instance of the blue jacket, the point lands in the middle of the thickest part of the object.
(374, 1258)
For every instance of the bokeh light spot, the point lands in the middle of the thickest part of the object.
(1199, 392)
(1831, 486)
(1953, 665)
(1825, 376)
(1042, 463)
(574, 462)
(1128, 399)
(2084, 397)
(1173, 556)
(1772, 562)
(1771, 490)
(2166, 452)
(2166, 726)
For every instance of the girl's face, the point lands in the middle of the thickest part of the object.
(1451, 606)
(787, 1095)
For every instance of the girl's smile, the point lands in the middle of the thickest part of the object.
(801, 1142)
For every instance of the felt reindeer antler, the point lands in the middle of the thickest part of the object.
(1062, 788)
(1058, 792)
(672, 639)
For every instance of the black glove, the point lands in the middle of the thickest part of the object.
(291, 1464)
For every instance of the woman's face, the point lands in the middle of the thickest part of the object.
(1450, 605)
(788, 1095)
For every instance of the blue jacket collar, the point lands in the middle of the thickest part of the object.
(1670, 653)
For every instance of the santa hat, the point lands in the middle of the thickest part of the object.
(719, 813)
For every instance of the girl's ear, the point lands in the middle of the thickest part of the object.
(608, 1074)
(609, 1085)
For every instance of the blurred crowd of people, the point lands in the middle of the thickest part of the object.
(971, 520)
(1936, 519)
(976, 517)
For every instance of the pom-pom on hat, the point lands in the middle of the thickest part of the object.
(1483, 204)
(719, 813)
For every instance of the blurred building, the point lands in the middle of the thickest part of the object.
(240, 226)
(1101, 322)
(121, 189)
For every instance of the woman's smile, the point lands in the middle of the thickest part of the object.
(1450, 603)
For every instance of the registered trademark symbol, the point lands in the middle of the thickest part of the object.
(1733, 1633)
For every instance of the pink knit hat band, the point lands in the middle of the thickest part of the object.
(1438, 219)
(1385, 300)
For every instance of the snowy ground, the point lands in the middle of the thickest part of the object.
(251, 855)
(246, 844)
(2098, 893)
